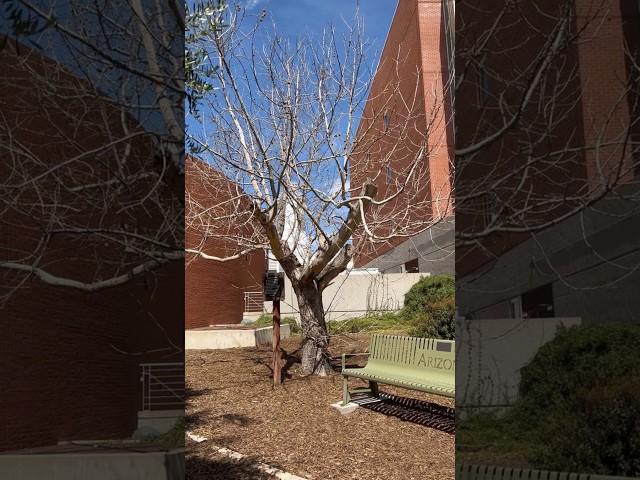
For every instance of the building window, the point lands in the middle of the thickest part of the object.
(411, 266)
(483, 84)
(538, 303)
(515, 307)
(385, 120)
(389, 172)
(484, 208)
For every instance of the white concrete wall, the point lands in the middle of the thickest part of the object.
(217, 339)
(230, 338)
(355, 294)
(264, 336)
(84, 466)
(160, 420)
(490, 354)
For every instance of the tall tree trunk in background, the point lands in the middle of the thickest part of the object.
(315, 340)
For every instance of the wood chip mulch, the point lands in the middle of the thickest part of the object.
(232, 402)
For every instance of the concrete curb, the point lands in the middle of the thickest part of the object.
(239, 456)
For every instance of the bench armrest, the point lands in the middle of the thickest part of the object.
(345, 355)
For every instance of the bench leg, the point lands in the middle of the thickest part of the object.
(374, 388)
(346, 396)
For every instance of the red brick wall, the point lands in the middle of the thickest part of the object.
(631, 19)
(604, 75)
(214, 291)
(411, 61)
(434, 75)
(70, 359)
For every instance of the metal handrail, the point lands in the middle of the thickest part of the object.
(254, 301)
(162, 386)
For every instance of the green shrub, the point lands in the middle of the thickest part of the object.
(579, 408)
(579, 401)
(266, 320)
(600, 434)
(370, 323)
(578, 358)
(173, 438)
(426, 292)
(436, 320)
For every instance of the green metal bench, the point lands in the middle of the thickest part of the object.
(424, 364)
(487, 472)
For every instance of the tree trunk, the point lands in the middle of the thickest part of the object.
(315, 343)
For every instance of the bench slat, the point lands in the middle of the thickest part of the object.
(416, 363)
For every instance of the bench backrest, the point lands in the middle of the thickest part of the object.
(487, 472)
(412, 352)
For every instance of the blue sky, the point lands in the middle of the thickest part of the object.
(308, 18)
(294, 17)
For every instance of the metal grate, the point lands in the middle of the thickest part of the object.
(490, 472)
(411, 410)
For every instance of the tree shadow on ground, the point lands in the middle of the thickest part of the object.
(290, 359)
(236, 419)
(193, 419)
(191, 393)
(205, 462)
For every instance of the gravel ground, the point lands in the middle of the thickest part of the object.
(232, 403)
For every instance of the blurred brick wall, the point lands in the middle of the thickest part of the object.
(591, 73)
(214, 291)
(69, 359)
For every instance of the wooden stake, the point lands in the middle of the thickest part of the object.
(277, 363)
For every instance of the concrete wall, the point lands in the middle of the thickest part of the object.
(488, 364)
(591, 260)
(433, 248)
(264, 336)
(231, 338)
(160, 420)
(94, 466)
(354, 294)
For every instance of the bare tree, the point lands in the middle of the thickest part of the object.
(284, 126)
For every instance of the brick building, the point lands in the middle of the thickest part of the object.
(549, 238)
(215, 291)
(71, 358)
(415, 64)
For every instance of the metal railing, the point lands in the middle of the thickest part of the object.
(254, 301)
(162, 386)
